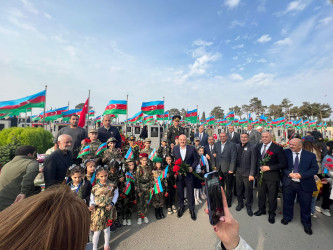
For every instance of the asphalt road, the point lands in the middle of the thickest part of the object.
(183, 233)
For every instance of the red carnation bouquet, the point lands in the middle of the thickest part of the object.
(182, 168)
(109, 223)
(263, 162)
(86, 141)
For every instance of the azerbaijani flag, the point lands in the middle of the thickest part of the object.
(54, 114)
(263, 118)
(192, 116)
(93, 179)
(243, 122)
(84, 151)
(230, 116)
(127, 188)
(98, 119)
(66, 115)
(210, 120)
(137, 117)
(165, 171)
(151, 192)
(319, 125)
(236, 122)
(129, 177)
(152, 154)
(162, 117)
(91, 112)
(148, 119)
(158, 186)
(278, 121)
(116, 107)
(153, 108)
(32, 101)
(129, 154)
(312, 123)
(202, 162)
(101, 148)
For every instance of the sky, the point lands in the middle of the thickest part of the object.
(191, 52)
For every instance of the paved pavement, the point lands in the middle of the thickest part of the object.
(183, 233)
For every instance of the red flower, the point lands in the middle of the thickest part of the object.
(87, 140)
(269, 152)
(176, 173)
(179, 161)
(175, 186)
(329, 159)
(122, 196)
(176, 168)
(142, 216)
(202, 184)
(134, 202)
(166, 194)
(109, 223)
(220, 178)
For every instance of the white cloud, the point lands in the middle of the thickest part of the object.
(234, 57)
(232, 3)
(47, 15)
(29, 7)
(236, 77)
(326, 20)
(261, 79)
(237, 38)
(297, 5)
(264, 38)
(236, 23)
(238, 46)
(8, 32)
(227, 41)
(201, 64)
(262, 6)
(286, 41)
(71, 50)
(202, 43)
(262, 60)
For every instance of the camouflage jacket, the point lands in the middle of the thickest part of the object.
(93, 148)
(162, 152)
(135, 149)
(144, 179)
(173, 132)
(115, 154)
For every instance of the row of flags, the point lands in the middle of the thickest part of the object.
(145, 116)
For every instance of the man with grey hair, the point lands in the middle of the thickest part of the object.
(254, 135)
(202, 135)
(57, 163)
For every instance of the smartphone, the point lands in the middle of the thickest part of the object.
(214, 197)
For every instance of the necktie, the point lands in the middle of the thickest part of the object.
(263, 152)
(296, 163)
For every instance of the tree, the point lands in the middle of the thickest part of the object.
(218, 112)
(183, 113)
(326, 110)
(286, 105)
(246, 109)
(237, 110)
(294, 112)
(173, 112)
(257, 107)
(275, 111)
(80, 106)
(203, 116)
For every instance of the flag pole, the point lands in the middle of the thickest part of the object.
(197, 114)
(44, 107)
(163, 113)
(88, 109)
(126, 115)
(25, 120)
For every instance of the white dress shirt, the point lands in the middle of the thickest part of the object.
(299, 161)
(222, 146)
(267, 147)
(183, 152)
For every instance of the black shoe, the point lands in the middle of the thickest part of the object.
(284, 221)
(113, 228)
(249, 211)
(157, 214)
(308, 230)
(161, 213)
(180, 212)
(193, 215)
(259, 213)
(271, 219)
(229, 204)
(239, 207)
(118, 224)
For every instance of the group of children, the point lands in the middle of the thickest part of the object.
(112, 186)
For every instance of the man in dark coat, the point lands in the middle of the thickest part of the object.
(246, 168)
(175, 130)
(298, 179)
(57, 163)
(189, 155)
(269, 182)
(233, 136)
(203, 136)
(107, 131)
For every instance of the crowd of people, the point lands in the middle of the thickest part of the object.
(116, 182)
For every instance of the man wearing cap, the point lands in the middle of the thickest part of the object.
(135, 148)
(107, 131)
(94, 144)
(112, 153)
(174, 130)
(197, 143)
(164, 149)
(76, 133)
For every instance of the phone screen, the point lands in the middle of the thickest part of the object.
(214, 197)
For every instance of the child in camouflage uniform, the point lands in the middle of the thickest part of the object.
(158, 199)
(135, 148)
(103, 198)
(94, 144)
(163, 150)
(129, 199)
(112, 152)
(147, 150)
(170, 187)
(144, 182)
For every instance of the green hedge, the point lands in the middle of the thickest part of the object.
(12, 138)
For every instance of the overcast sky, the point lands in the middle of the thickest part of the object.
(193, 52)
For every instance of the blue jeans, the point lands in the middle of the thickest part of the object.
(313, 205)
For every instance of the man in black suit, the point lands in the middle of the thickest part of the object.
(57, 163)
(271, 175)
(298, 179)
(246, 167)
(225, 153)
(233, 136)
(203, 137)
(189, 155)
(209, 153)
